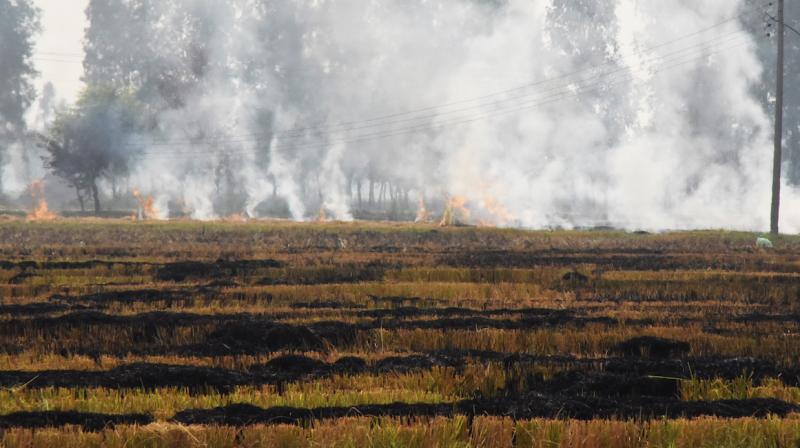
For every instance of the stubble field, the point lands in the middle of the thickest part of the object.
(115, 333)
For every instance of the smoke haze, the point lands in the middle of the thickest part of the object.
(637, 114)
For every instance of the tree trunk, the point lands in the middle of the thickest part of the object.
(114, 190)
(371, 192)
(358, 185)
(80, 198)
(794, 143)
(96, 197)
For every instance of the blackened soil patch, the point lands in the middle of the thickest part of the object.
(21, 278)
(293, 366)
(580, 373)
(182, 270)
(326, 304)
(469, 323)
(686, 368)
(339, 274)
(400, 301)
(641, 260)
(575, 278)
(143, 321)
(133, 376)
(244, 415)
(54, 419)
(52, 265)
(523, 407)
(184, 297)
(581, 383)
(198, 379)
(652, 347)
(405, 364)
(579, 377)
(254, 336)
(758, 317)
(245, 333)
(336, 333)
(349, 365)
(706, 368)
(34, 309)
(231, 334)
(410, 311)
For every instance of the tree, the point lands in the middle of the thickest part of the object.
(92, 141)
(160, 49)
(19, 23)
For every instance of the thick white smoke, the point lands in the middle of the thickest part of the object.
(694, 150)
(648, 120)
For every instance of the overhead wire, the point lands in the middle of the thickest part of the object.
(492, 104)
(569, 91)
(385, 120)
(381, 120)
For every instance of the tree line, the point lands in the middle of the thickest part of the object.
(147, 60)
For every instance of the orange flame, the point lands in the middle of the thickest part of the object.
(146, 209)
(236, 217)
(499, 215)
(456, 212)
(42, 211)
(422, 213)
(322, 217)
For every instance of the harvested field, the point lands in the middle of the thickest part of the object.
(211, 334)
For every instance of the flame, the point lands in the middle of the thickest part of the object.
(455, 212)
(322, 217)
(422, 213)
(146, 209)
(236, 217)
(499, 215)
(42, 211)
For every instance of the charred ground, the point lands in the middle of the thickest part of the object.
(392, 321)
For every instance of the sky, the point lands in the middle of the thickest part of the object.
(59, 49)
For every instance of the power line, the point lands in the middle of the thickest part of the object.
(369, 124)
(552, 99)
(665, 58)
(563, 93)
(783, 22)
(382, 120)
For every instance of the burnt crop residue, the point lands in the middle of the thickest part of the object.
(525, 407)
(54, 419)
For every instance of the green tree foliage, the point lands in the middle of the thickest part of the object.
(159, 49)
(94, 140)
(19, 23)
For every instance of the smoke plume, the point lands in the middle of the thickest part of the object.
(538, 113)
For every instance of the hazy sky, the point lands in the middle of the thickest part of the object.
(59, 50)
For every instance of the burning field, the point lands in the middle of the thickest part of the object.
(129, 334)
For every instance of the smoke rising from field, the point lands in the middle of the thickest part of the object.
(658, 126)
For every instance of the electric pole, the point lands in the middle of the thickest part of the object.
(776, 167)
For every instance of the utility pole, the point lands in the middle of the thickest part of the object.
(776, 167)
